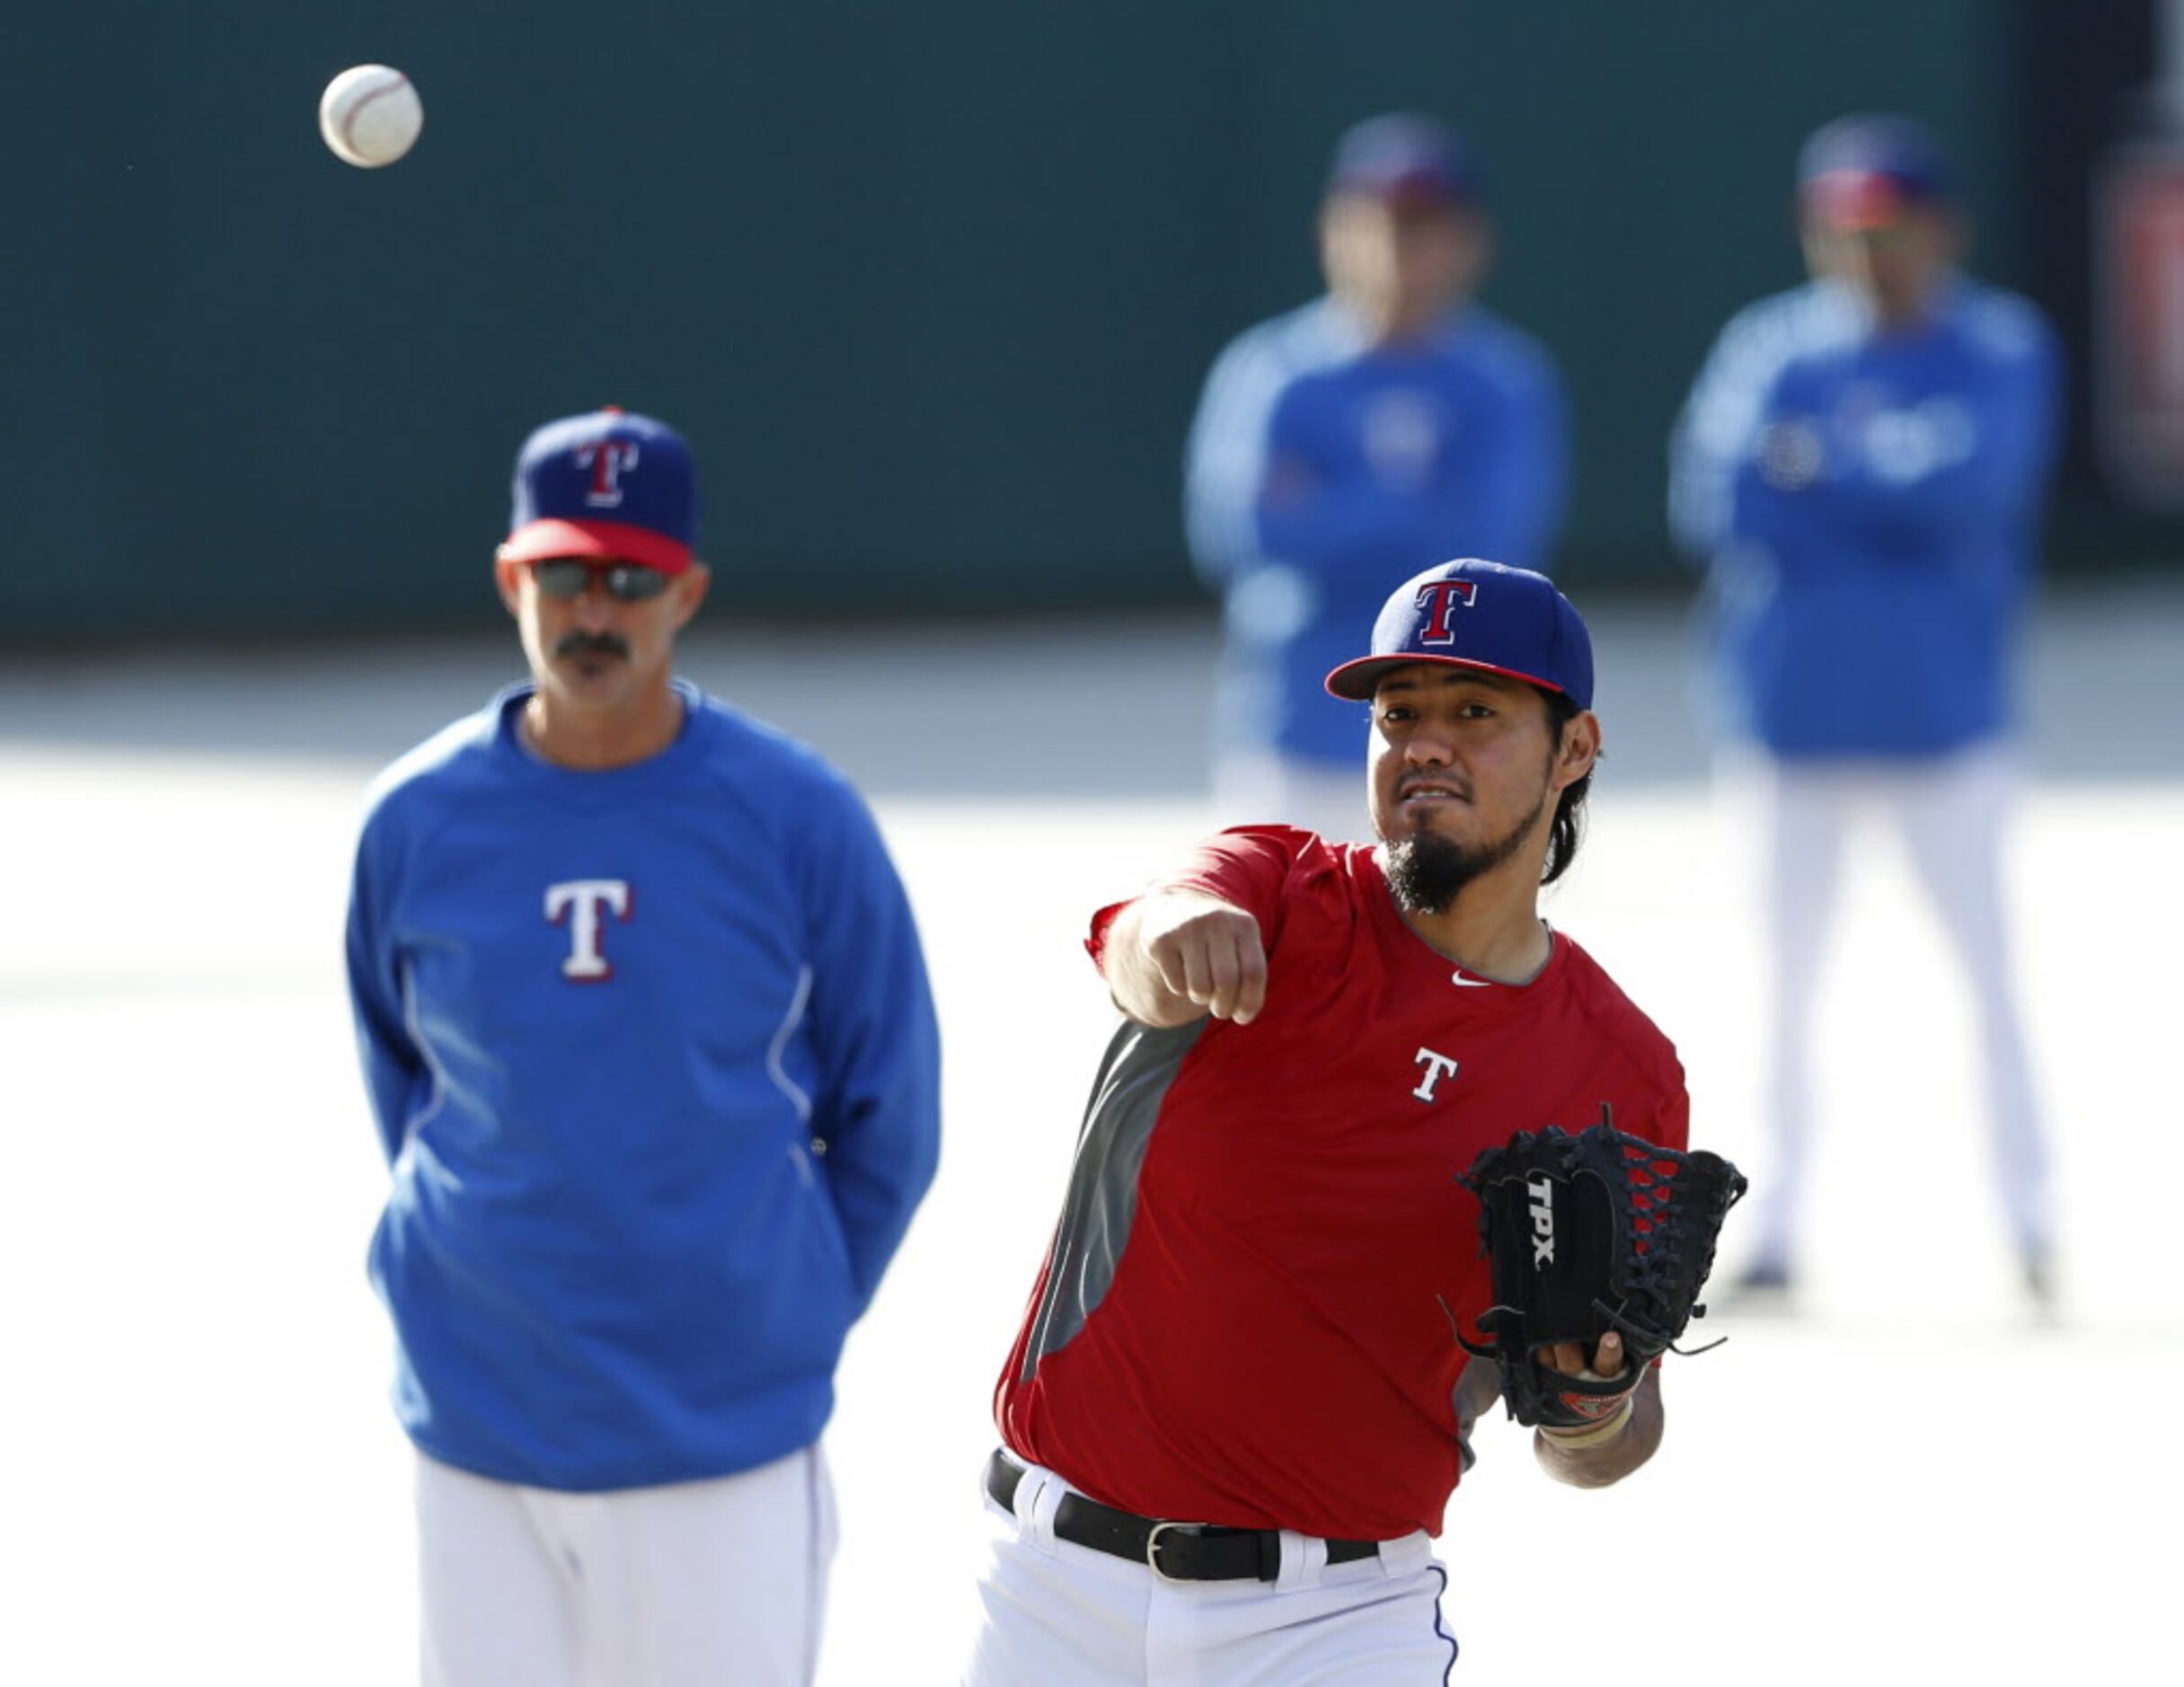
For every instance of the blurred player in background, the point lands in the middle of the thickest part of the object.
(1862, 466)
(1237, 1410)
(646, 1030)
(1390, 425)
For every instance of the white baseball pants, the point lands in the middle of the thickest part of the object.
(1950, 813)
(708, 1582)
(1056, 1615)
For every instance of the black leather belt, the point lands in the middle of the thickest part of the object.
(1177, 1551)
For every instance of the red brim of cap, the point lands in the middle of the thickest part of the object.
(1357, 681)
(1408, 196)
(1856, 199)
(1421, 193)
(610, 541)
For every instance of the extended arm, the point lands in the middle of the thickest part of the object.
(1176, 955)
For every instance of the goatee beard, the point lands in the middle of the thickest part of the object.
(1427, 872)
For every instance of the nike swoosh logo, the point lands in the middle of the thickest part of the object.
(1473, 984)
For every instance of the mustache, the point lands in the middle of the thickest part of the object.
(1411, 782)
(581, 644)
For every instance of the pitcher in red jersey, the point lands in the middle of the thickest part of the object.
(1236, 1412)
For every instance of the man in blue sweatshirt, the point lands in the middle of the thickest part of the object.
(647, 1035)
(1338, 449)
(1862, 467)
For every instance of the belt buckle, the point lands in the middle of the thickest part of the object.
(1153, 1550)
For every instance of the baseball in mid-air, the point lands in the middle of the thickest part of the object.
(370, 115)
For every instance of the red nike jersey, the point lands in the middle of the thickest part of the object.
(1241, 1318)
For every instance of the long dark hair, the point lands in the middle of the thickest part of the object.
(1569, 812)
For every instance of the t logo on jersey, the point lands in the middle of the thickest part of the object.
(1438, 1067)
(576, 904)
(1440, 599)
(608, 461)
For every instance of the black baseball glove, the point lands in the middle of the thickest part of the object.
(1585, 1234)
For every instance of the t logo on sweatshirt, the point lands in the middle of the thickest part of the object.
(576, 904)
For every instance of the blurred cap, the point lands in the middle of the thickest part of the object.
(1411, 162)
(1868, 171)
(1471, 613)
(606, 484)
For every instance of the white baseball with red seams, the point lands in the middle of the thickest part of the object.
(370, 115)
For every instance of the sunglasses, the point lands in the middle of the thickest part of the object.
(626, 582)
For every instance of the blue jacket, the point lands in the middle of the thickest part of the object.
(654, 1063)
(1868, 506)
(1322, 472)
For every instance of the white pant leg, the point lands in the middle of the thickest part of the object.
(1260, 787)
(1053, 1615)
(1377, 1623)
(1953, 815)
(700, 1584)
(1056, 1615)
(680, 1585)
(498, 1600)
(1805, 815)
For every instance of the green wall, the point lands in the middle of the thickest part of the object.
(931, 288)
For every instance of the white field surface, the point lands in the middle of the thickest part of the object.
(1908, 1482)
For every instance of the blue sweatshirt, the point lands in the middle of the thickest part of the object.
(1868, 506)
(653, 1058)
(1323, 472)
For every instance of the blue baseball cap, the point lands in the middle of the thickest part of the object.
(1472, 614)
(1411, 162)
(606, 484)
(1866, 171)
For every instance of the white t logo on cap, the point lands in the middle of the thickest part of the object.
(1440, 599)
(606, 460)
